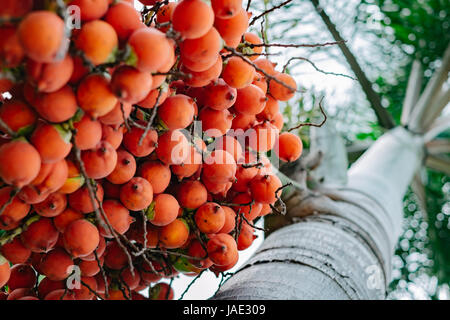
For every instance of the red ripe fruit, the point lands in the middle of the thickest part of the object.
(173, 148)
(118, 217)
(157, 173)
(243, 121)
(132, 281)
(131, 85)
(50, 77)
(191, 166)
(53, 176)
(202, 78)
(250, 100)
(215, 123)
(95, 96)
(206, 47)
(210, 218)
(165, 15)
(5, 272)
(60, 294)
(264, 187)
(15, 252)
(232, 29)
(192, 18)
(91, 9)
(46, 286)
(52, 142)
(79, 70)
(40, 236)
(177, 112)
(248, 207)
(230, 220)
(192, 194)
(132, 138)
(124, 18)
(260, 81)
(101, 161)
(245, 174)
(222, 249)
(219, 95)
(113, 135)
(56, 265)
(52, 206)
(137, 194)
(88, 133)
(230, 145)
(65, 218)
(83, 293)
(285, 90)
(17, 116)
(246, 237)
(13, 212)
(90, 268)
(251, 38)
(21, 294)
(15, 9)
(237, 73)
(226, 9)
(115, 116)
(20, 163)
(278, 121)
(81, 238)
(220, 167)
(163, 210)
(87, 40)
(11, 51)
(263, 137)
(149, 102)
(41, 34)
(217, 188)
(22, 276)
(99, 251)
(125, 168)
(151, 48)
(270, 111)
(115, 257)
(174, 235)
(80, 200)
(161, 291)
(196, 250)
(266, 65)
(289, 147)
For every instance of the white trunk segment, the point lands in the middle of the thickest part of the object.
(327, 140)
(412, 91)
(427, 104)
(439, 125)
(385, 172)
(442, 101)
(345, 253)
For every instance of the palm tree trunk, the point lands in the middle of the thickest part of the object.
(344, 250)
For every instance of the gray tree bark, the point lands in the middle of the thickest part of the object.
(343, 250)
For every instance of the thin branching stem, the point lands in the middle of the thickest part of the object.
(309, 124)
(7, 129)
(316, 68)
(191, 283)
(266, 12)
(152, 117)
